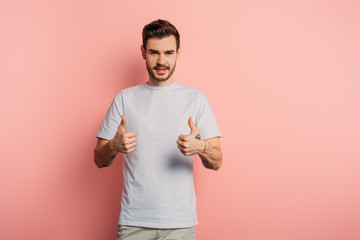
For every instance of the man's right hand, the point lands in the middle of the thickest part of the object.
(124, 142)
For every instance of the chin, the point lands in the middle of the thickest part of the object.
(162, 78)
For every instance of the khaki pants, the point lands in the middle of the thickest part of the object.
(139, 233)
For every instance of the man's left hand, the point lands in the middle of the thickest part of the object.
(193, 143)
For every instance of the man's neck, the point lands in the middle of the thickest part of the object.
(156, 83)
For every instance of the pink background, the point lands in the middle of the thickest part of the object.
(282, 79)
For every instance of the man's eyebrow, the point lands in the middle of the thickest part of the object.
(153, 50)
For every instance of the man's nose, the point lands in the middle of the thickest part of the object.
(161, 59)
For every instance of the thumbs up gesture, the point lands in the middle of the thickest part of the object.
(123, 141)
(193, 143)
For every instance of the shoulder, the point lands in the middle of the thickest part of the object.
(128, 91)
(132, 89)
(196, 93)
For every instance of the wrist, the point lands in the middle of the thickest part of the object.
(204, 149)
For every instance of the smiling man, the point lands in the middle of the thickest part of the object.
(161, 61)
(159, 126)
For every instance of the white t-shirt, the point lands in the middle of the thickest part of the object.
(158, 188)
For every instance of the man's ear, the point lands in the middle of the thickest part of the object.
(178, 52)
(143, 52)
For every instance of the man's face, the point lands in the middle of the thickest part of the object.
(160, 56)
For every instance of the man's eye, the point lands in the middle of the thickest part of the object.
(153, 53)
(169, 53)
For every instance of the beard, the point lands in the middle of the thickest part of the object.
(161, 78)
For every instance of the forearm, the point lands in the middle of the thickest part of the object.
(103, 155)
(212, 157)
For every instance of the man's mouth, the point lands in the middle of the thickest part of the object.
(161, 69)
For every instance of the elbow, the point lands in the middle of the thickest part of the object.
(214, 164)
(97, 164)
(217, 166)
(218, 163)
(96, 160)
(214, 167)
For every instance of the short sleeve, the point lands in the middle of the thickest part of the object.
(112, 119)
(205, 119)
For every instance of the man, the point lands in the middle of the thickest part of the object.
(150, 124)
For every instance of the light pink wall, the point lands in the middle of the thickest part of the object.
(283, 81)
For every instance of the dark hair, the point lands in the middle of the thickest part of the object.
(159, 29)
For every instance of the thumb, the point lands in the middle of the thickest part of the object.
(192, 126)
(121, 127)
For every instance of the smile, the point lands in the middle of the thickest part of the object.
(161, 70)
